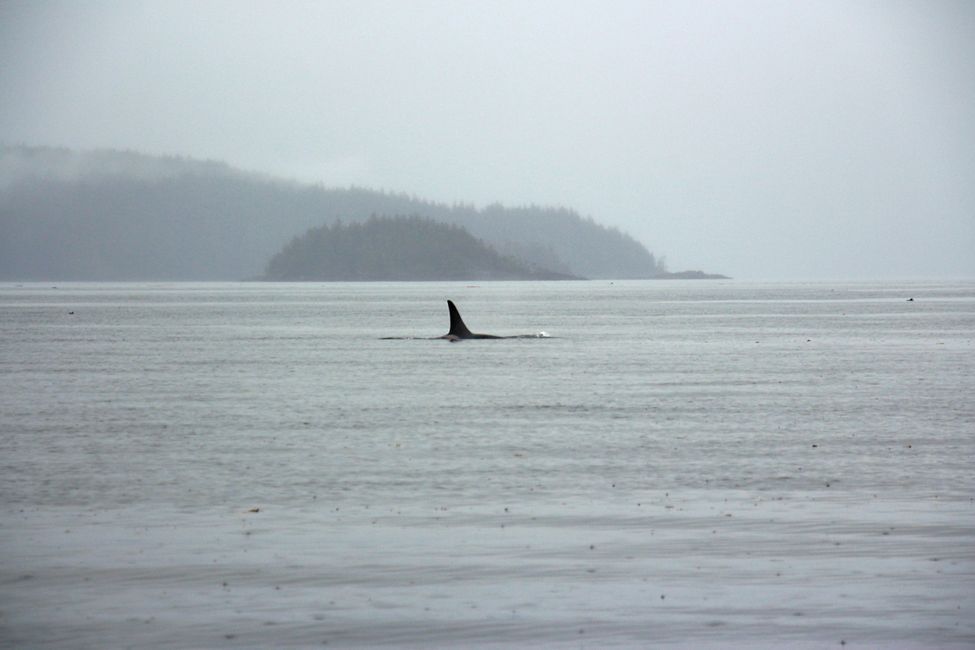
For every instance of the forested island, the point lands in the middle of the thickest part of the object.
(397, 248)
(116, 215)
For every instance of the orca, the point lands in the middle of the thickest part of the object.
(458, 331)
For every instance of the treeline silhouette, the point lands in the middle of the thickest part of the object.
(111, 215)
(396, 248)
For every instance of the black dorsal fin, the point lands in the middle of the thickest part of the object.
(457, 327)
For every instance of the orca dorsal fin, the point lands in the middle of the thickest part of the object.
(457, 327)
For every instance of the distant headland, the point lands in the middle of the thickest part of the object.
(120, 215)
(690, 275)
(397, 248)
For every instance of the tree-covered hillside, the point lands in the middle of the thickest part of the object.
(111, 215)
(402, 248)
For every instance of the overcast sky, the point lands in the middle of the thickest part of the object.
(761, 139)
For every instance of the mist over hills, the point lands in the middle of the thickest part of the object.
(110, 215)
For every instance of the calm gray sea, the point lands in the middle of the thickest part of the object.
(689, 464)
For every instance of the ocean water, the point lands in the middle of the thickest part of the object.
(666, 464)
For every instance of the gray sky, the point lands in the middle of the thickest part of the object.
(761, 139)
